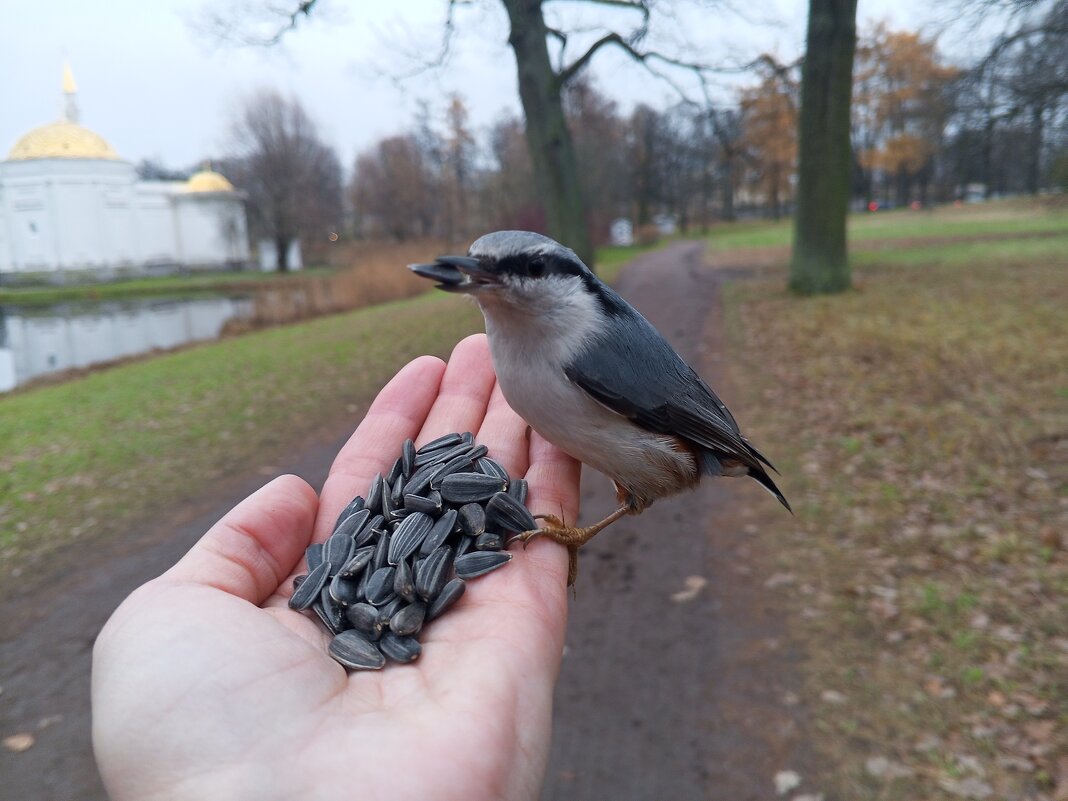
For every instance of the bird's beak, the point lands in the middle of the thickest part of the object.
(457, 273)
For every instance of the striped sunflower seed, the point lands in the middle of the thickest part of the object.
(439, 532)
(449, 595)
(424, 504)
(374, 494)
(408, 457)
(433, 572)
(380, 586)
(465, 544)
(461, 464)
(395, 472)
(408, 536)
(307, 593)
(353, 650)
(491, 467)
(419, 482)
(381, 555)
(344, 591)
(445, 441)
(478, 563)
(338, 549)
(489, 541)
(404, 581)
(408, 620)
(469, 487)
(352, 524)
(517, 488)
(505, 512)
(396, 495)
(364, 618)
(368, 531)
(400, 649)
(468, 438)
(444, 456)
(388, 610)
(330, 612)
(313, 554)
(355, 505)
(297, 581)
(360, 559)
(477, 452)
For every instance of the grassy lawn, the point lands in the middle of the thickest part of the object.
(142, 287)
(921, 423)
(990, 219)
(83, 458)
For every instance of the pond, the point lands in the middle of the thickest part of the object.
(36, 341)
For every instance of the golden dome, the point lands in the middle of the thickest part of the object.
(208, 181)
(61, 140)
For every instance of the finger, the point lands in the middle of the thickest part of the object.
(464, 393)
(505, 434)
(253, 548)
(397, 414)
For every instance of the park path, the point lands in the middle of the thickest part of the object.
(678, 672)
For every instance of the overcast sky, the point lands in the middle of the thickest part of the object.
(155, 84)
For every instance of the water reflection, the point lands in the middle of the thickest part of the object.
(37, 341)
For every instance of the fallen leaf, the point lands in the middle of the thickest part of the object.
(19, 742)
(787, 780)
(693, 585)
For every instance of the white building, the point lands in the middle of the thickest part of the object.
(70, 207)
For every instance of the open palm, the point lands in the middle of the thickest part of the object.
(206, 685)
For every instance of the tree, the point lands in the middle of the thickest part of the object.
(393, 190)
(769, 126)
(820, 262)
(293, 179)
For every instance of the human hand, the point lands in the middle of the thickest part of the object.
(206, 685)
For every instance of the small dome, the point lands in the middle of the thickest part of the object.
(61, 140)
(208, 181)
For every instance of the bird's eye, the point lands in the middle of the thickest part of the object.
(536, 268)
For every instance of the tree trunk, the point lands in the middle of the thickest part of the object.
(1034, 158)
(281, 247)
(728, 190)
(820, 261)
(551, 150)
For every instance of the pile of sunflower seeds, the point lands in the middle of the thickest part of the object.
(388, 568)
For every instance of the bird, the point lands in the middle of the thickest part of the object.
(592, 376)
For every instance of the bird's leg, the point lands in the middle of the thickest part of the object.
(571, 536)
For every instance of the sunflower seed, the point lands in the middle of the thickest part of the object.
(439, 532)
(355, 505)
(297, 581)
(408, 536)
(387, 505)
(408, 457)
(442, 456)
(395, 472)
(355, 651)
(446, 441)
(364, 618)
(461, 464)
(472, 519)
(489, 541)
(479, 563)
(305, 595)
(380, 557)
(400, 649)
(369, 531)
(361, 586)
(449, 595)
(517, 488)
(374, 494)
(388, 610)
(418, 483)
(380, 586)
(360, 558)
(352, 524)
(468, 487)
(338, 549)
(477, 452)
(504, 511)
(396, 496)
(433, 573)
(344, 591)
(325, 617)
(491, 467)
(313, 554)
(468, 437)
(333, 614)
(403, 581)
(418, 503)
(409, 619)
(465, 544)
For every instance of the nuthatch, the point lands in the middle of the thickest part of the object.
(594, 377)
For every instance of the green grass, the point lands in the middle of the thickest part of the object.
(143, 287)
(993, 219)
(83, 458)
(919, 423)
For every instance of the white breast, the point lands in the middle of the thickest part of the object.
(529, 354)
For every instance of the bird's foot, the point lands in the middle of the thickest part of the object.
(572, 537)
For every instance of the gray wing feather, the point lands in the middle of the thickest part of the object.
(657, 390)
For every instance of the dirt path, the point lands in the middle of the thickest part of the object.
(658, 698)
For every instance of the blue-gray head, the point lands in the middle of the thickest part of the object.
(519, 269)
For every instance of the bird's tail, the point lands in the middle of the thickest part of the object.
(761, 477)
